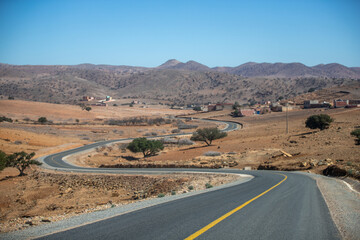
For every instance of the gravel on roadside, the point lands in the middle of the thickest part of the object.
(343, 203)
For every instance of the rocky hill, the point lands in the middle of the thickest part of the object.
(174, 81)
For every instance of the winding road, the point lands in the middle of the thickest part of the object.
(273, 205)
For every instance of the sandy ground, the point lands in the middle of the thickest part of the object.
(18, 109)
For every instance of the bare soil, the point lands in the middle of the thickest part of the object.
(46, 196)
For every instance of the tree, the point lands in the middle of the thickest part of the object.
(321, 121)
(88, 109)
(236, 113)
(235, 106)
(21, 160)
(147, 147)
(42, 120)
(207, 135)
(356, 133)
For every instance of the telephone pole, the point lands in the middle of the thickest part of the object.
(287, 118)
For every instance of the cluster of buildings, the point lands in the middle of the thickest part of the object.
(99, 102)
(281, 106)
(339, 103)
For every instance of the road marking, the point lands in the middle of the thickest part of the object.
(212, 224)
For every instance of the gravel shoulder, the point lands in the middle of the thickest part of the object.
(343, 203)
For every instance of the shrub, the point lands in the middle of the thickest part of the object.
(150, 134)
(138, 121)
(212, 153)
(147, 147)
(208, 185)
(169, 140)
(185, 141)
(42, 120)
(175, 131)
(356, 133)
(207, 135)
(191, 188)
(321, 121)
(160, 195)
(311, 89)
(88, 109)
(5, 119)
(197, 108)
(173, 192)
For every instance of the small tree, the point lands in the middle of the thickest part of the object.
(321, 121)
(88, 109)
(235, 106)
(21, 160)
(42, 120)
(356, 133)
(207, 135)
(147, 147)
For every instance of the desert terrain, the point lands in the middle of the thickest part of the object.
(262, 143)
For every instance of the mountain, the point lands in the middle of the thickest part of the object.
(291, 70)
(169, 64)
(174, 81)
(190, 66)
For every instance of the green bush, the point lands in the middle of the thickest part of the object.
(191, 188)
(208, 185)
(42, 120)
(173, 192)
(160, 195)
(356, 133)
(5, 119)
(321, 121)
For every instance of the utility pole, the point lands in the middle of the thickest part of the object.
(287, 118)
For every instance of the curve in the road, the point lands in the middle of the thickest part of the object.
(275, 209)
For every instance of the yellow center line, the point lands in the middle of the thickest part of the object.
(59, 164)
(212, 224)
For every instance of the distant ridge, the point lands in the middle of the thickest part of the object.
(173, 81)
(274, 70)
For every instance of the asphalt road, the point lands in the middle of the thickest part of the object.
(287, 206)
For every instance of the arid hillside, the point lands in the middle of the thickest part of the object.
(173, 81)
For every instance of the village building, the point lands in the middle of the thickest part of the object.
(246, 112)
(87, 98)
(339, 103)
(315, 104)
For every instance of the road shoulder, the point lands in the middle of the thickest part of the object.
(343, 204)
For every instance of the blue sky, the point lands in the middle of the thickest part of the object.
(147, 33)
